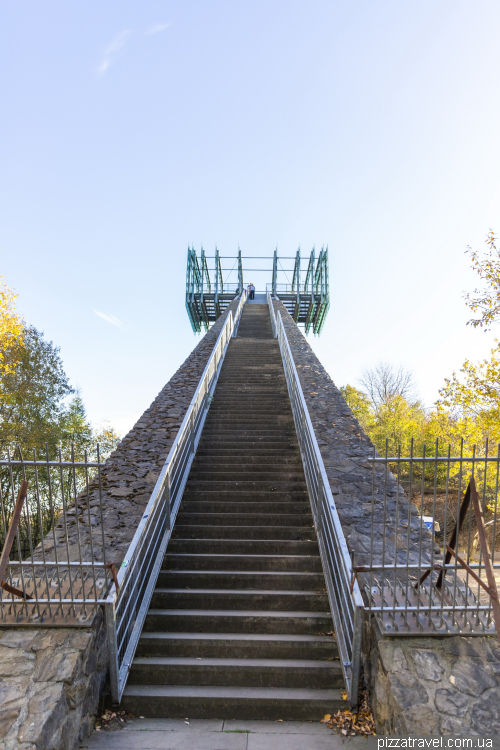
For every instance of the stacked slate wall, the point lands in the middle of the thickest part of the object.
(422, 685)
(51, 679)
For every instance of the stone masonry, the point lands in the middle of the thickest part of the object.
(50, 683)
(432, 685)
(51, 679)
(130, 473)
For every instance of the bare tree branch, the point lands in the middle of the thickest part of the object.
(383, 382)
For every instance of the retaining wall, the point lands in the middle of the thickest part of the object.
(428, 685)
(51, 679)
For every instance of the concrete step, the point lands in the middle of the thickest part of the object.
(239, 496)
(243, 599)
(253, 444)
(243, 546)
(228, 398)
(208, 702)
(226, 579)
(247, 434)
(255, 406)
(231, 473)
(262, 485)
(246, 413)
(249, 440)
(237, 621)
(265, 517)
(246, 427)
(238, 645)
(259, 454)
(292, 563)
(243, 496)
(281, 509)
(279, 673)
(273, 533)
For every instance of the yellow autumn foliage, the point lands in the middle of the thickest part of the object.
(11, 329)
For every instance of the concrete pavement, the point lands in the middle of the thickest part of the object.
(212, 734)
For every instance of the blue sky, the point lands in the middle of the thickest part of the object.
(130, 130)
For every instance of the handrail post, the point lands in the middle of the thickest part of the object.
(114, 669)
(167, 501)
(191, 434)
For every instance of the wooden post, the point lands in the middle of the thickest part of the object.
(485, 549)
(9, 541)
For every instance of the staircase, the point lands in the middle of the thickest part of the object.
(238, 622)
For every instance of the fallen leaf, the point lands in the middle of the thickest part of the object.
(348, 723)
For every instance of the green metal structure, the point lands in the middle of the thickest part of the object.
(307, 300)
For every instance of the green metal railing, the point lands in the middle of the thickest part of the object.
(207, 295)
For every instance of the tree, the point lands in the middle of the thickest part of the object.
(11, 327)
(473, 396)
(485, 301)
(360, 406)
(398, 421)
(34, 414)
(387, 414)
(390, 416)
(384, 382)
(106, 438)
(35, 409)
(34, 386)
(474, 399)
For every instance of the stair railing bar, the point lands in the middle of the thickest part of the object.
(271, 312)
(343, 591)
(181, 470)
(126, 609)
(239, 309)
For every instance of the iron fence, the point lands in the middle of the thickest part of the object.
(127, 607)
(433, 563)
(53, 568)
(345, 599)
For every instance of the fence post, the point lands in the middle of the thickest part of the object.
(110, 617)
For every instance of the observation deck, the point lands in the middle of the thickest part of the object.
(213, 282)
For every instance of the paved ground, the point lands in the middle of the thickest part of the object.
(212, 734)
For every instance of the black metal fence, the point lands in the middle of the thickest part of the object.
(53, 565)
(434, 562)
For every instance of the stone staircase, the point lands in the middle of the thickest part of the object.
(238, 621)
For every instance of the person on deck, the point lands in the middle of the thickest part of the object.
(251, 291)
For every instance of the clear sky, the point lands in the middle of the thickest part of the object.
(129, 130)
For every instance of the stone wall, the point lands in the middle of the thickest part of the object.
(130, 473)
(51, 679)
(50, 684)
(418, 685)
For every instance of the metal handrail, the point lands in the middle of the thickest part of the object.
(271, 312)
(345, 598)
(126, 609)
